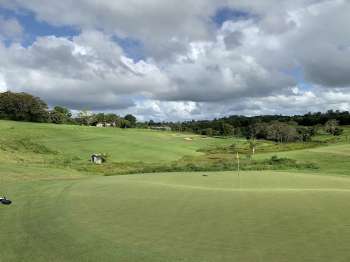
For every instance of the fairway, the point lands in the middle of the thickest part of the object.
(257, 216)
(120, 144)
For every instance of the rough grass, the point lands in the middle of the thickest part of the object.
(330, 160)
(243, 147)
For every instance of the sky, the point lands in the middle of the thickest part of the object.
(169, 60)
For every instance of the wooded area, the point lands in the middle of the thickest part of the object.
(279, 128)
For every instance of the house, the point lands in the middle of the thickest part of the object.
(161, 128)
(105, 124)
(97, 159)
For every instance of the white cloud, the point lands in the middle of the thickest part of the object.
(88, 71)
(192, 69)
(10, 29)
(3, 85)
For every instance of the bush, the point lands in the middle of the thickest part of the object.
(338, 131)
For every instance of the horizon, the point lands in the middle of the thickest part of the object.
(200, 60)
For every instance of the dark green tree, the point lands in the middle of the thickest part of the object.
(227, 129)
(111, 118)
(60, 115)
(99, 118)
(132, 119)
(63, 110)
(123, 123)
(22, 107)
(208, 132)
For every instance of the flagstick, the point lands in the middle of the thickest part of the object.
(237, 163)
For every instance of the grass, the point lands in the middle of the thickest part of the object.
(139, 151)
(81, 142)
(265, 216)
(64, 210)
(330, 160)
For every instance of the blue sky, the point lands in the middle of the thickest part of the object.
(134, 48)
(193, 66)
(34, 28)
(224, 14)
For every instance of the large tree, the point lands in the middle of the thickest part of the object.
(227, 129)
(60, 115)
(282, 132)
(132, 119)
(332, 127)
(111, 118)
(85, 117)
(22, 107)
(63, 110)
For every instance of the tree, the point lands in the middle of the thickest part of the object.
(22, 107)
(338, 131)
(132, 119)
(85, 117)
(305, 133)
(124, 123)
(60, 115)
(227, 129)
(56, 117)
(207, 132)
(63, 110)
(281, 132)
(257, 131)
(99, 118)
(332, 127)
(111, 118)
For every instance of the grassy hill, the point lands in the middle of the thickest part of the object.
(120, 144)
(65, 210)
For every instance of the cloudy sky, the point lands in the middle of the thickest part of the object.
(179, 60)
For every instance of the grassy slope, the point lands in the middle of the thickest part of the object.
(331, 160)
(121, 145)
(60, 214)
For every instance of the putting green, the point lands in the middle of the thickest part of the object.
(258, 216)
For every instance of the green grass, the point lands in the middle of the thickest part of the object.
(179, 217)
(64, 210)
(80, 142)
(330, 160)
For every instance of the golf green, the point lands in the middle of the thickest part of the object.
(257, 216)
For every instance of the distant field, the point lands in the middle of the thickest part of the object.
(62, 212)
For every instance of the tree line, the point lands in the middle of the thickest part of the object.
(279, 128)
(25, 107)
